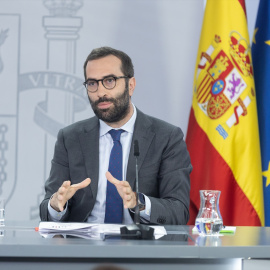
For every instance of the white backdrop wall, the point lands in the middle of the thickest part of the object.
(42, 51)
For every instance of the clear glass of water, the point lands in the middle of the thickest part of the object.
(209, 220)
(2, 212)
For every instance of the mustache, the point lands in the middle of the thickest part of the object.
(104, 99)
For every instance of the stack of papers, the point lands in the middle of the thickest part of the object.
(82, 230)
(87, 230)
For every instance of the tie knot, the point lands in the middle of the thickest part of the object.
(116, 134)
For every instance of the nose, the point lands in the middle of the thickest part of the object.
(101, 91)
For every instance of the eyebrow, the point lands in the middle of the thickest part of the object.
(106, 76)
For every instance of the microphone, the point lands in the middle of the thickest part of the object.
(137, 210)
(136, 149)
(137, 230)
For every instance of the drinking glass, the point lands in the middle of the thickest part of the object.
(209, 220)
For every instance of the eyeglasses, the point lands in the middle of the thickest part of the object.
(109, 83)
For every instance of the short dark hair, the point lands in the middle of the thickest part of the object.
(126, 67)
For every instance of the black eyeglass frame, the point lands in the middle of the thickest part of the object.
(102, 81)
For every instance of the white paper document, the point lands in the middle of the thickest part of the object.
(88, 230)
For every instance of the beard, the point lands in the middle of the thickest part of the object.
(115, 113)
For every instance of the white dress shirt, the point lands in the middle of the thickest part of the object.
(105, 147)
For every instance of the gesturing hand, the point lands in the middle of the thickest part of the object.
(124, 190)
(65, 192)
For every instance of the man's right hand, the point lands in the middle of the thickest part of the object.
(65, 192)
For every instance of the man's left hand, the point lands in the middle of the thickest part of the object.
(124, 190)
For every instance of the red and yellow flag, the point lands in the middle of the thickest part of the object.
(223, 137)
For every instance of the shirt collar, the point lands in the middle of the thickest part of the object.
(128, 126)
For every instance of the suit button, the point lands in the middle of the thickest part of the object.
(161, 220)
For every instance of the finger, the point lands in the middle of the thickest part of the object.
(62, 190)
(60, 203)
(129, 201)
(59, 197)
(60, 207)
(66, 184)
(128, 190)
(82, 184)
(124, 186)
(129, 204)
(128, 198)
(112, 179)
(125, 183)
(86, 182)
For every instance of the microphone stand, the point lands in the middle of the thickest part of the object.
(137, 210)
(137, 230)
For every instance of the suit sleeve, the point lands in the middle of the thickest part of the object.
(172, 204)
(58, 174)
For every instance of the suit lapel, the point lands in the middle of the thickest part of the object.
(144, 135)
(89, 140)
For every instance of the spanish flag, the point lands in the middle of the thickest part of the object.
(223, 136)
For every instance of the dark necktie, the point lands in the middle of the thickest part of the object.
(114, 203)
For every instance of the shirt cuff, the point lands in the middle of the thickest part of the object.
(145, 214)
(54, 215)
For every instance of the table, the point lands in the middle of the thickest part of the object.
(21, 247)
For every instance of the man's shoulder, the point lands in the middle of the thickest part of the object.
(82, 126)
(155, 123)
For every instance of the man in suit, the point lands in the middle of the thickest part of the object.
(81, 188)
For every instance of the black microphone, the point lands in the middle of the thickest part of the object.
(137, 210)
(136, 149)
(137, 230)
